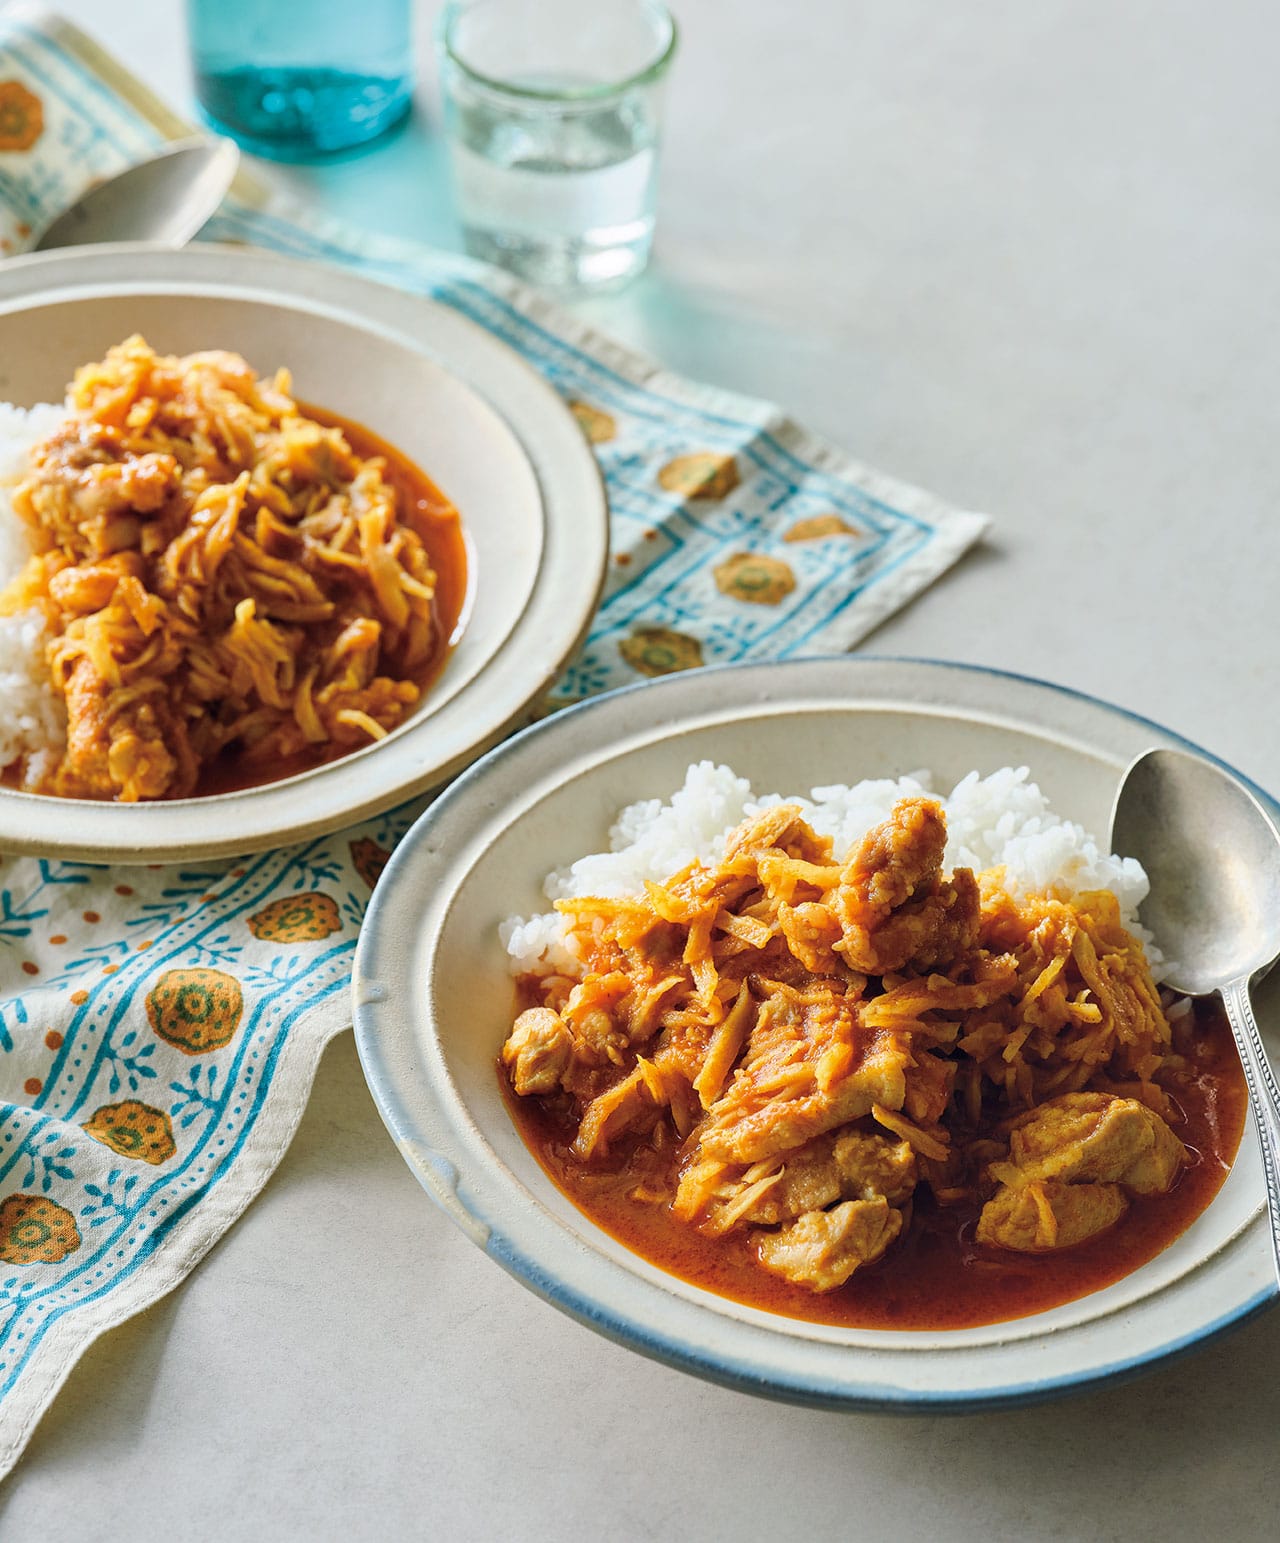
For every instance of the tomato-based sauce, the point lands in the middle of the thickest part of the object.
(935, 1276)
(427, 511)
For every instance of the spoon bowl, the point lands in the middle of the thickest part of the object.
(164, 199)
(1212, 856)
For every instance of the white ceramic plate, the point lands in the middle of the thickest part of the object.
(433, 1005)
(482, 424)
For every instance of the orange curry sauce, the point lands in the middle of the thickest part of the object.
(935, 1276)
(426, 509)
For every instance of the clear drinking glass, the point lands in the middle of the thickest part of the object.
(300, 79)
(553, 109)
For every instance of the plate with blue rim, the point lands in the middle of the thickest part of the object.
(433, 1003)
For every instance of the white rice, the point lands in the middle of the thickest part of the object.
(1002, 820)
(32, 719)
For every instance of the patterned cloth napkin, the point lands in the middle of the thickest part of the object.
(160, 1027)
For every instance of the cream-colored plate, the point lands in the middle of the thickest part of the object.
(482, 424)
(433, 1004)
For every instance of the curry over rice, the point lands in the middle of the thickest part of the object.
(224, 574)
(869, 1090)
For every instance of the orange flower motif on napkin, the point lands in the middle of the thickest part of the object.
(134, 1130)
(296, 919)
(598, 426)
(755, 578)
(195, 1010)
(819, 526)
(659, 651)
(21, 116)
(704, 474)
(368, 859)
(34, 1230)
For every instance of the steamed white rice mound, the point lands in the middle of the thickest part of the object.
(32, 718)
(998, 821)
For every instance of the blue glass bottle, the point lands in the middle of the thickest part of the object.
(300, 79)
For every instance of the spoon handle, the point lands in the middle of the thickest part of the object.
(1264, 1095)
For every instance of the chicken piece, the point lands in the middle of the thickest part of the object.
(784, 1123)
(150, 753)
(893, 904)
(1047, 1214)
(122, 744)
(582, 1041)
(597, 1040)
(811, 931)
(1073, 1163)
(928, 934)
(901, 857)
(823, 1248)
(872, 1165)
(84, 771)
(769, 1108)
(311, 453)
(90, 586)
(849, 1167)
(537, 1051)
(1084, 1137)
(88, 492)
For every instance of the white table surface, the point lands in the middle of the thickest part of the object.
(1024, 252)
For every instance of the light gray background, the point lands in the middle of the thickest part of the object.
(1024, 252)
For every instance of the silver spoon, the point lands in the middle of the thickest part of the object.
(166, 198)
(1213, 857)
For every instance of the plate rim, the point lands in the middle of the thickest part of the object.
(572, 565)
(442, 1180)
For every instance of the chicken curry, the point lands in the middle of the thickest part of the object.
(871, 1092)
(235, 587)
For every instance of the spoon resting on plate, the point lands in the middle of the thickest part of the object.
(166, 198)
(1212, 855)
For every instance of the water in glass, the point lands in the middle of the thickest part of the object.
(565, 197)
(554, 113)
